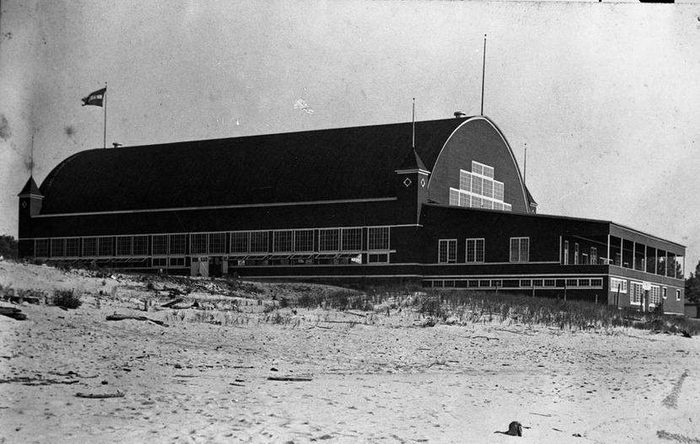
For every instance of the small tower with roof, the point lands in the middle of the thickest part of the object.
(30, 200)
(412, 185)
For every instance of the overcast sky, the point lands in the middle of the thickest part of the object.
(605, 96)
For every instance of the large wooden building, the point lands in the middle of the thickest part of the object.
(444, 204)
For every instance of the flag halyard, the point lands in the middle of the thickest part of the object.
(95, 98)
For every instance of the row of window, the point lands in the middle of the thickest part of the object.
(465, 199)
(478, 189)
(476, 250)
(553, 283)
(354, 239)
(636, 289)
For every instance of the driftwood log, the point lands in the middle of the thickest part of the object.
(12, 312)
(120, 317)
(100, 395)
(289, 378)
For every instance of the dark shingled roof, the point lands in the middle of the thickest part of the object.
(412, 162)
(30, 188)
(333, 164)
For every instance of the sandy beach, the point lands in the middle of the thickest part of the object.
(336, 376)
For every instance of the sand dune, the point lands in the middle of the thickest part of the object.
(384, 380)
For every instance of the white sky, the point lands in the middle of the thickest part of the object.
(606, 96)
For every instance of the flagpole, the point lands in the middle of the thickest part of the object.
(413, 125)
(483, 75)
(104, 138)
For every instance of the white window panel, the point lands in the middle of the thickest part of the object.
(351, 239)
(217, 243)
(329, 239)
(124, 245)
(282, 241)
(58, 247)
(303, 240)
(198, 243)
(140, 247)
(240, 241)
(259, 242)
(73, 247)
(178, 244)
(378, 238)
(454, 197)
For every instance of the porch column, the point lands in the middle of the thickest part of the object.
(634, 255)
(608, 254)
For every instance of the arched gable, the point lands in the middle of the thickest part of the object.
(479, 140)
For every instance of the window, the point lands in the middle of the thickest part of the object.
(159, 244)
(575, 253)
(140, 245)
(198, 243)
(572, 282)
(584, 282)
(465, 180)
(475, 250)
(616, 284)
(678, 295)
(636, 293)
(329, 239)
(478, 185)
(73, 247)
(566, 252)
(550, 283)
(303, 240)
(239, 242)
(105, 246)
(478, 189)
(663, 293)
(594, 255)
(537, 282)
(160, 262)
(89, 246)
(124, 245)
(597, 283)
(351, 239)
(41, 248)
(525, 283)
(447, 251)
(58, 247)
(378, 258)
(177, 261)
(519, 249)
(488, 188)
(655, 295)
(282, 240)
(477, 168)
(178, 244)
(498, 190)
(258, 242)
(217, 242)
(378, 238)
(454, 197)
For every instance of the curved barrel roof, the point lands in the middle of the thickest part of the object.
(333, 164)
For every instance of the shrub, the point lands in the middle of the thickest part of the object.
(66, 299)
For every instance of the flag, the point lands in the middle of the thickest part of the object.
(95, 98)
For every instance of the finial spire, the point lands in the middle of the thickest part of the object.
(483, 77)
(413, 125)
